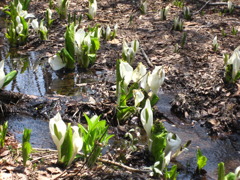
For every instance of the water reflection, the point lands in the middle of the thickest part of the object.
(28, 81)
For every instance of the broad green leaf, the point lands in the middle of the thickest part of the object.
(67, 58)
(9, 77)
(172, 174)
(27, 148)
(95, 44)
(159, 143)
(154, 99)
(201, 162)
(231, 176)
(67, 146)
(69, 40)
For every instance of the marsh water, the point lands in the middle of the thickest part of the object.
(35, 79)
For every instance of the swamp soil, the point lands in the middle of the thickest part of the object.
(194, 75)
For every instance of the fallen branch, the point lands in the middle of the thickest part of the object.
(223, 3)
(123, 166)
(214, 4)
(146, 57)
(202, 7)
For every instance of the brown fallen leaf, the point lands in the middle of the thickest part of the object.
(54, 170)
(4, 153)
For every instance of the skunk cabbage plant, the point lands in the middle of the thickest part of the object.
(92, 9)
(156, 78)
(68, 143)
(147, 118)
(128, 53)
(232, 66)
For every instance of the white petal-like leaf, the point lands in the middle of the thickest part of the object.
(173, 142)
(126, 71)
(147, 118)
(2, 74)
(56, 62)
(138, 96)
(139, 72)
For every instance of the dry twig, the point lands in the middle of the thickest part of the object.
(146, 57)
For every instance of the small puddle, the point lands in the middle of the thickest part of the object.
(35, 79)
(40, 136)
(216, 150)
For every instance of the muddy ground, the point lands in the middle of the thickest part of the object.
(194, 73)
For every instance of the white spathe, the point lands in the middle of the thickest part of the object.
(108, 32)
(49, 13)
(135, 46)
(237, 172)
(57, 130)
(215, 43)
(147, 118)
(2, 74)
(144, 82)
(144, 5)
(115, 28)
(173, 143)
(92, 9)
(35, 25)
(124, 47)
(235, 61)
(138, 96)
(166, 160)
(77, 143)
(156, 78)
(126, 71)
(230, 5)
(23, 13)
(43, 28)
(19, 28)
(56, 62)
(87, 41)
(139, 72)
(79, 36)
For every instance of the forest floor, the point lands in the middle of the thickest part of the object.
(194, 74)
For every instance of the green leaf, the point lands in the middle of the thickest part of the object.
(95, 44)
(123, 112)
(67, 146)
(221, 171)
(69, 39)
(3, 132)
(154, 99)
(159, 143)
(91, 59)
(26, 146)
(172, 174)
(9, 77)
(231, 176)
(65, 55)
(201, 160)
